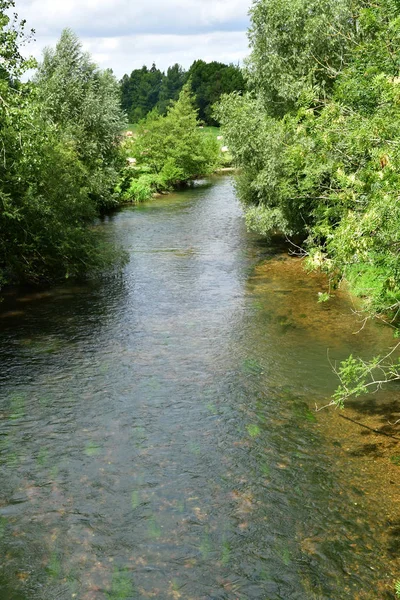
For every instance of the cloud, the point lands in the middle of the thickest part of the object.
(125, 34)
(133, 52)
(126, 17)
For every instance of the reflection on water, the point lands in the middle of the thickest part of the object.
(157, 434)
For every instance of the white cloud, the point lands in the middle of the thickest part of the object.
(125, 34)
(125, 17)
(132, 52)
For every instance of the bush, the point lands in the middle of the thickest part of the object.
(141, 188)
(317, 140)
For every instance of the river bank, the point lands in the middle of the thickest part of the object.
(364, 438)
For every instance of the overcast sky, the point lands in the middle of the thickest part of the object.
(126, 34)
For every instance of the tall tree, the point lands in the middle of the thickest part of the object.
(140, 92)
(317, 143)
(49, 193)
(146, 89)
(171, 87)
(176, 140)
(209, 81)
(298, 47)
(84, 102)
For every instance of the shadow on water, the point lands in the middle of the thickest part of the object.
(158, 433)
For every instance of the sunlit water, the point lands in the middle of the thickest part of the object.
(157, 433)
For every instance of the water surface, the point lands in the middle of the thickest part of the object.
(158, 437)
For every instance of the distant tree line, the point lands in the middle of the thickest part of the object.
(147, 89)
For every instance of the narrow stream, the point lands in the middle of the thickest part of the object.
(158, 437)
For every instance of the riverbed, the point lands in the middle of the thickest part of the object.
(158, 429)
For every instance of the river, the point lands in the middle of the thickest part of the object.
(158, 437)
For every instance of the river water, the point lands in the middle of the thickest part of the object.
(158, 437)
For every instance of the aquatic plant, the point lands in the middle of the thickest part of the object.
(253, 430)
(122, 587)
(92, 449)
(135, 502)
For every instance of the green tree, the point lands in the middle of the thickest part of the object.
(146, 89)
(209, 81)
(84, 102)
(317, 143)
(47, 205)
(140, 92)
(177, 138)
(298, 47)
(169, 150)
(171, 87)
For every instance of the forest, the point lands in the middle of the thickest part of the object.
(147, 89)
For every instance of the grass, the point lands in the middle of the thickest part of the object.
(213, 131)
(131, 127)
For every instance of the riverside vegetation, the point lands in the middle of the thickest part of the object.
(317, 140)
(168, 151)
(62, 161)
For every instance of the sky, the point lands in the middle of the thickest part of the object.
(126, 34)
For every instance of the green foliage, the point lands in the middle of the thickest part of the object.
(317, 141)
(168, 151)
(358, 377)
(209, 81)
(138, 187)
(171, 86)
(140, 92)
(353, 374)
(84, 102)
(297, 46)
(12, 35)
(53, 178)
(323, 297)
(330, 173)
(397, 588)
(171, 173)
(257, 143)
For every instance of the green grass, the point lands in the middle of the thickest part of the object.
(214, 131)
(131, 127)
(211, 130)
